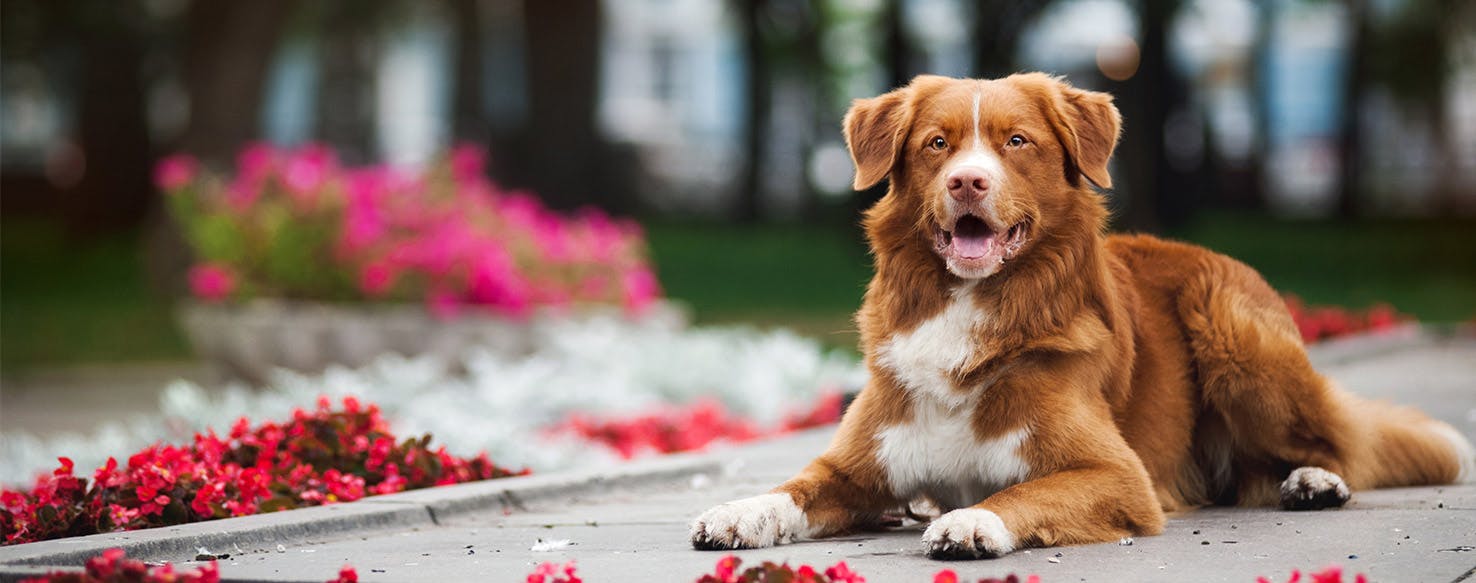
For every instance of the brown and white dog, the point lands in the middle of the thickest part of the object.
(1045, 384)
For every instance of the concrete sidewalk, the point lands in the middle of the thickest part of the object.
(630, 523)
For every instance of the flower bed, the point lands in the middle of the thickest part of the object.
(1318, 323)
(689, 427)
(303, 263)
(728, 570)
(505, 405)
(296, 224)
(316, 458)
(113, 566)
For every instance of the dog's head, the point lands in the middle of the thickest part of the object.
(980, 170)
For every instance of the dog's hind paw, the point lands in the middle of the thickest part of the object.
(1311, 488)
(967, 533)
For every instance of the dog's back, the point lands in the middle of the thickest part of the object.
(1217, 343)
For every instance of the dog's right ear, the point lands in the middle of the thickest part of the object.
(874, 130)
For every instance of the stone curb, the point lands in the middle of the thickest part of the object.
(406, 510)
(1348, 349)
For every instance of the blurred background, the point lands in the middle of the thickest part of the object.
(1330, 144)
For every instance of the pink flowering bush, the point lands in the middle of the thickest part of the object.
(321, 457)
(297, 224)
(690, 427)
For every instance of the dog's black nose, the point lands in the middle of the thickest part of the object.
(968, 184)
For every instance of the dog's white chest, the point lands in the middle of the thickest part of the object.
(925, 358)
(937, 455)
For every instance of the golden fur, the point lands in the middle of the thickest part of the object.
(1152, 376)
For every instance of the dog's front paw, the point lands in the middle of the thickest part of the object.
(750, 523)
(968, 533)
(1310, 488)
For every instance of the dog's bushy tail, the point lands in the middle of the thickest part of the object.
(1401, 446)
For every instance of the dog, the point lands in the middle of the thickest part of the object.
(1043, 383)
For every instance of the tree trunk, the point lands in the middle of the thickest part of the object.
(348, 57)
(563, 155)
(759, 90)
(115, 189)
(1159, 197)
(229, 48)
(468, 121)
(1350, 140)
(899, 54)
(997, 28)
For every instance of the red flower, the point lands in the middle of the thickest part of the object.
(552, 573)
(840, 573)
(346, 575)
(113, 566)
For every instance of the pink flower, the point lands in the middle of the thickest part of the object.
(496, 282)
(175, 172)
(468, 162)
(641, 289)
(255, 162)
(212, 282)
(378, 278)
(306, 170)
(241, 194)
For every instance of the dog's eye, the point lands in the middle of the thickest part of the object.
(938, 143)
(1017, 140)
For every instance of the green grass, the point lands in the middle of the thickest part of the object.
(1426, 268)
(807, 278)
(67, 302)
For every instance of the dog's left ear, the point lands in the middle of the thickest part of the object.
(1097, 124)
(874, 130)
(1086, 123)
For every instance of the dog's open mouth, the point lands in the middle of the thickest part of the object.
(971, 245)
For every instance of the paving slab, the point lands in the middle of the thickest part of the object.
(631, 524)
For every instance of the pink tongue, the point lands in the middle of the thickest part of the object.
(972, 238)
(972, 246)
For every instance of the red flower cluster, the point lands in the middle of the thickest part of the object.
(551, 573)
(346, 575)
(727, 571)
(1333, 574)
(113, 567)
(948, 576)
(1324, 322)
(315, 458)
(690, 427)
